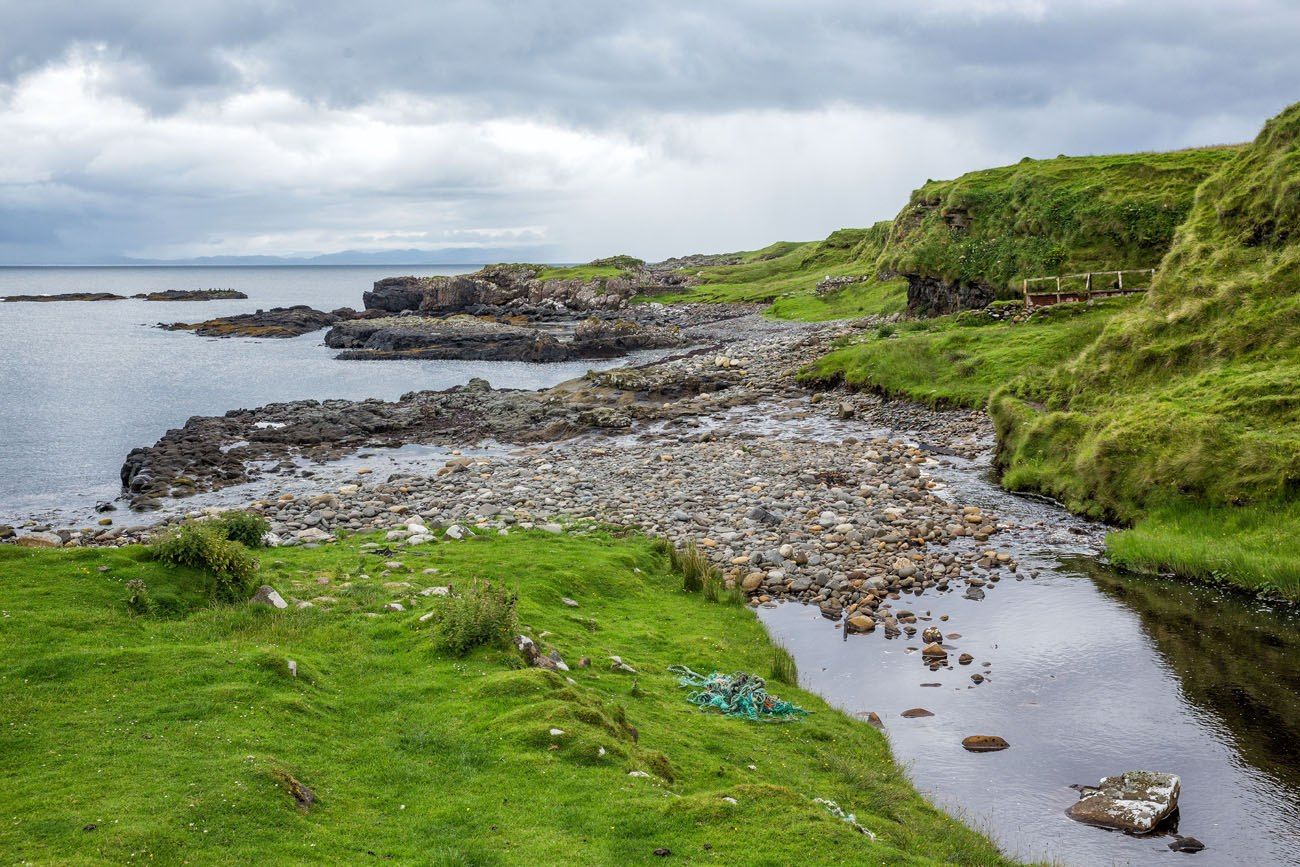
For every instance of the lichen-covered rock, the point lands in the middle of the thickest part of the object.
(1134, 801)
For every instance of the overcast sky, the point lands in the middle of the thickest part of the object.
(579, 129)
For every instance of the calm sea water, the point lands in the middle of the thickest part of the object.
(82, 383)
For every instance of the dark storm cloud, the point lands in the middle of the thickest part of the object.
(591, 62)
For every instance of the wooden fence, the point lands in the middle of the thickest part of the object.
(1056, 293)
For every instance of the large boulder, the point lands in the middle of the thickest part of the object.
(1134, 801)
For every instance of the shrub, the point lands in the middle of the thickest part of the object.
(481, 614)
(139, 600)
(243, 527)
(204, 546)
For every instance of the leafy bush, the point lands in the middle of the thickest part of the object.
(205, 546)
(481, 614)
(140, 601)
(243, 527)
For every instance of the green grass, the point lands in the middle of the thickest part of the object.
(578, 272)
(960, 360)
(1046, 217)
(174, 739)
(786, 274)
(1253, 546)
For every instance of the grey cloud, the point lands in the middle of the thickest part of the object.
(592, 62)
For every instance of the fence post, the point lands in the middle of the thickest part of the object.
(1120, 275)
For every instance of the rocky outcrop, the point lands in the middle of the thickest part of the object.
(67, 296)
(609, 338)
(516, 286)
(276, 322)
(192, 295)
(212, 452)
(395, 294)
(455, 337)
(934, 296)
(486, 339)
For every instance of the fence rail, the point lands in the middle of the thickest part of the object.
(1057, 294)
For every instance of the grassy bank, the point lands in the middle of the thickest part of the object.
(960, 360)
(786, 276)
(965, 360)
(178, 737)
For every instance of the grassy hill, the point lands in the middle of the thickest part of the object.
(786, 275)
(1189, 400)
(1047, 217)
(183, 736)
(987, 228)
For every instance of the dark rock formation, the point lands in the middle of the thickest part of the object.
(67, 296)
(934, 296)
(456, 337)
(276, 322)
(486, 339)
(192, 295)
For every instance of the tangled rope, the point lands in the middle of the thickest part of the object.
(740, 694)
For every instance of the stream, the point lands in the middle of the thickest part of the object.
(1090, 672)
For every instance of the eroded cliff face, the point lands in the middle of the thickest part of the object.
(935, 296)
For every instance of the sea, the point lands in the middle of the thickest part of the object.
(84, 382)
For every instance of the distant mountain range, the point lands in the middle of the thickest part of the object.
(447, 256)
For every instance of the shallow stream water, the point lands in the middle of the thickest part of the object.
(1091, 672)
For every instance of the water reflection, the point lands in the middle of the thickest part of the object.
(1234, 656)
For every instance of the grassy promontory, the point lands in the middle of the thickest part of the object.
(182, 736)
(1176, 413)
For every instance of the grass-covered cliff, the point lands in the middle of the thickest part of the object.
(1176, 411)
(1190, 398)
(994, 227)
(977, 236)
